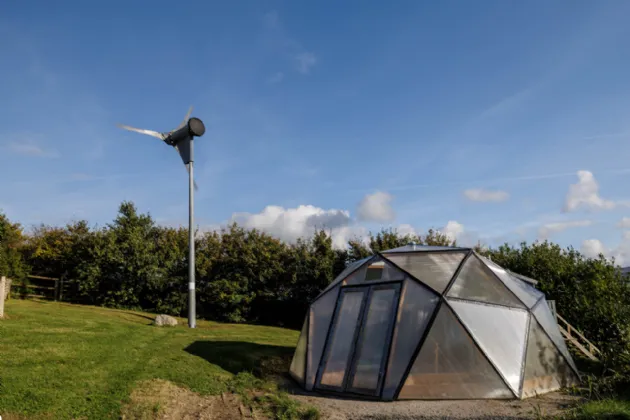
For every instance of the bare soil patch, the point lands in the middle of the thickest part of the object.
(159, 399)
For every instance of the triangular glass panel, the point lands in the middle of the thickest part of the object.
(320, 315)
(435, 269)
(417, 304)
(548, 323)
(475, 281)
(298, 364)
(500, 332)
(545, 369)
(451, 366)
(345, 273)
(377, 270)
(527, 294)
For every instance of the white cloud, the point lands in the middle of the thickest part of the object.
(624, 223)
(276, 78)
(482, 195)
(453, 229)
(376, 208)
(305, 60)
(301, 222)
(406, 229)
(545, 230)
(621, 254)
(29, 149)
(585, 194)
(593, 247)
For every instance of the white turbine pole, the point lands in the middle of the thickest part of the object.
(191, 243)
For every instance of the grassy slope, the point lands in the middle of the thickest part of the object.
(73, 361)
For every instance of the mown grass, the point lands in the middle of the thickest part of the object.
(602, 409)
(68, 361)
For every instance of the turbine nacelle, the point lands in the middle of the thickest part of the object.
(194, 127)
(180, 138)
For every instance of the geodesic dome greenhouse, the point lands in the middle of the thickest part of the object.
(424, 322)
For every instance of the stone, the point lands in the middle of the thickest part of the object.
(165, 321)
(7, 288)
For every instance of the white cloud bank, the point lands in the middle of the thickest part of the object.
(289, 224)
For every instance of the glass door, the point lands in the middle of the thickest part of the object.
(358, 343)
(336, 358)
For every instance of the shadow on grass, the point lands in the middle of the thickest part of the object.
(263, 360)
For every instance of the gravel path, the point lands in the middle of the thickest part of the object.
(333, 408)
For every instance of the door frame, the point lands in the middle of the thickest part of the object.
(358, 337)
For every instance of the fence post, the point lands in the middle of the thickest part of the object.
(56, 289)
(3, 285)
(61, 288)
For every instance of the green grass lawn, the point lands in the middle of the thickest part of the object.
(67, 361)
(603, 409)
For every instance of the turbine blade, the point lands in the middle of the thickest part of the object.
(187, 115)
(185, 119)
(194, 182)
(186, 165)
(142, 131)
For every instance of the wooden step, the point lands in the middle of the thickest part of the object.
(576, 338)
(577, 344)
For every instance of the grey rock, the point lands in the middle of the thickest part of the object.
(165, 321)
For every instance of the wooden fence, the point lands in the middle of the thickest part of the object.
(40, 287)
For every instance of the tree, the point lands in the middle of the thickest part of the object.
(131, 267)
(11, 242)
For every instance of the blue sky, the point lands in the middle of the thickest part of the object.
(470, 117)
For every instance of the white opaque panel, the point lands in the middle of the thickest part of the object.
(545, 369)
(475, 281)
(321, 313)
(450, 366)
(417, 304)
(298, 364)
(337, 358)
(529, 295)
(432, 268)
(548, 323)
(500, 332)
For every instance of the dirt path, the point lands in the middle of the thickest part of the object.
(159, 399)
(347, 409)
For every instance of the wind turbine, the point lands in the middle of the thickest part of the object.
(181, 139)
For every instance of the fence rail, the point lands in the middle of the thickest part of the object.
(40, 287)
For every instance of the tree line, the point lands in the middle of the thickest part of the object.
(246, 275)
